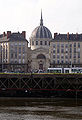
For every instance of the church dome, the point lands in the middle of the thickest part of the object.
(41, 31)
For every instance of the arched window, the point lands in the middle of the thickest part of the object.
(41, 56)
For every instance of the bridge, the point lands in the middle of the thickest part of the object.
(54, 84)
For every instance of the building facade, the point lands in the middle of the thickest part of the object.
(14, 49)
(64, 50)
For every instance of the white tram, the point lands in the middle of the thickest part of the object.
(65, 70)
(54, 70)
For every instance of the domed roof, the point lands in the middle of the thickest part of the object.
(41, 31)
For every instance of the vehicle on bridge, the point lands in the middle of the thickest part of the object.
(54, 70)
(65, 70)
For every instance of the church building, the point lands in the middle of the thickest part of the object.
(40, 44)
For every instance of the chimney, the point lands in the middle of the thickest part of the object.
(4, 34)
(8, 34)
(55, 35)
(68, 36)
(24, 34)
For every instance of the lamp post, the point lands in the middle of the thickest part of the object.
(2, 59)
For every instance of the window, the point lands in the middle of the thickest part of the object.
(16, 44)
(66, 61)
(70, 56)
(45, 42)
(54, 51)
(23, 44)
(58, 56)
(58, 61)
(11, 46)
(66, 45)
(19, 49)
(75, 50)
(19, 60)
(11, 55)
(74, 60)
(74, 44)
(19, 44)
(54, 46)
(40, 42)
(15, 49)
(23, 56)
(66, 50)
(23, 60)
(78, 60)
(6, 53)
(70, 50)
(62, 61)
(70, 45)
(78, 55)
(53, 61)
(54, 56)
(62, 50)
(66, 57)
(11, 60)
(19, 57)
(15, 60)
(23, 50)
(74, 55)
(78, 50)
(58, 45)
(62, 57)
(32, 42)
(58, 51)
(62, 45)
(36, 42)
(78, 45)
(15, 55)
(70, 62)
(49, 43)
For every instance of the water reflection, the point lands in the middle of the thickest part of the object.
(40, 109)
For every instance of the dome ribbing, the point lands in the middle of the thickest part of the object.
(41, 31)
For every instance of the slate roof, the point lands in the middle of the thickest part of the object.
(13, 37)
(16, 36)
(70, 37)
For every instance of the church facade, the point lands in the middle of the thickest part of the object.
(40, 44)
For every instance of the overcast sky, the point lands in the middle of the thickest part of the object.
(60, 16)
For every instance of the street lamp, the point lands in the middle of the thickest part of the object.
(2, 59)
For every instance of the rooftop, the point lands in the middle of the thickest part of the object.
(70, 37)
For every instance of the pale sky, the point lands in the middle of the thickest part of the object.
(60, 16)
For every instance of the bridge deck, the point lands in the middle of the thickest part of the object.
(41, 75)
(41, 82)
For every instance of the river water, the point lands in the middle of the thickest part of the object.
(40, 109)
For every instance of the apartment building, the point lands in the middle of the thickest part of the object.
(65, 50)
(14, 49)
